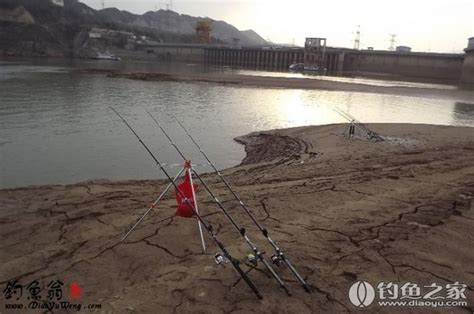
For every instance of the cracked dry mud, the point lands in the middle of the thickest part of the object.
(399, 210)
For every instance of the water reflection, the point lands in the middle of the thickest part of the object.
(463, 113)
(358, 80)
(56, 126)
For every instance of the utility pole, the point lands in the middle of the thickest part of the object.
(357, 39)
(392, 42)
(168, 5)
(103, 4)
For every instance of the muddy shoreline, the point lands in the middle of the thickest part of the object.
(287, 82)
(401, 210)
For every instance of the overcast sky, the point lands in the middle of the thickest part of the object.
(425, 25)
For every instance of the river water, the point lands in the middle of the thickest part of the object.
(56, 126)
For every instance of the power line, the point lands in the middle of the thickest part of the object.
(357, 39)
(168, 5)
(392, 42)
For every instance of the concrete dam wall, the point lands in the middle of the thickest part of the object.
(467, 75)
(420, 66)
(426, 66)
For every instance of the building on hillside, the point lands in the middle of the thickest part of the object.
(58, 2)
(95, 33)
(109, 33)
(120, 39)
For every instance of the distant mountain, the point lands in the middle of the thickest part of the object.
(39, 27)
(171, 22)
(252, 36)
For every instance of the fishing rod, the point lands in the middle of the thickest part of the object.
(370, 134)
(352, 123)
(258, 254)
(352, 120)
(235, 263)
(279, 255)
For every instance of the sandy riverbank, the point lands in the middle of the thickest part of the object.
(399, 210)
(289, 82)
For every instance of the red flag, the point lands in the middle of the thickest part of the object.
(184, 210)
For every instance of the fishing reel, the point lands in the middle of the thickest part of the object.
(252, 259)
(277, 259)
(220, 259)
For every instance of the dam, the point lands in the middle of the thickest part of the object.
(448, 68)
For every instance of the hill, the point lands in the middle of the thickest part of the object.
(41, 28)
